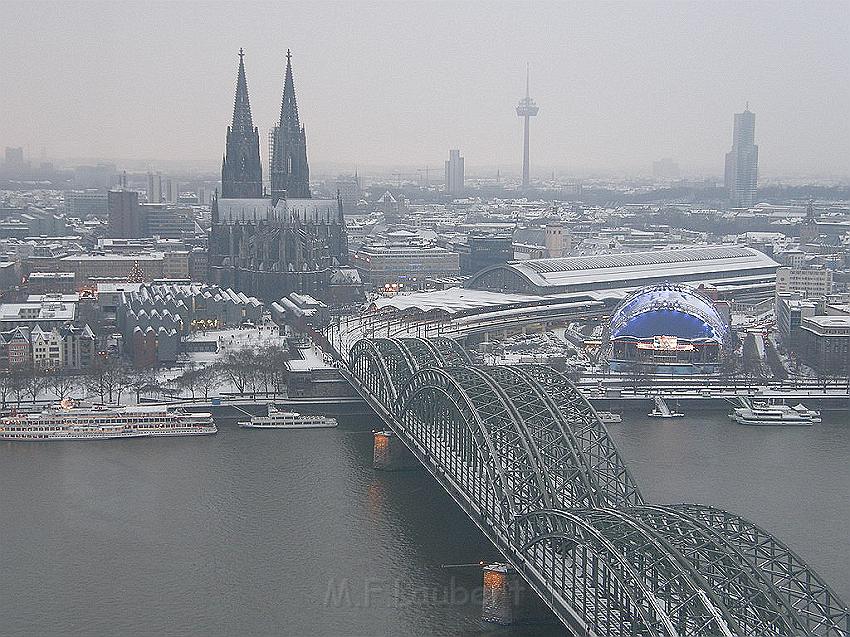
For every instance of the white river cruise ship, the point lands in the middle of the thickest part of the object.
(96, 423)
(762, 413)
(287, 420)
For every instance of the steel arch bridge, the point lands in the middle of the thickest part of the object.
(525, 456)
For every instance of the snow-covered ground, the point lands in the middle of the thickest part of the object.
(535, 348)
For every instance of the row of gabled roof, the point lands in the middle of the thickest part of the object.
(162, 294)
(159, 331)
(37, 332)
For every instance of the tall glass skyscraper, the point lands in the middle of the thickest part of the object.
(742, 161)
(454, 173)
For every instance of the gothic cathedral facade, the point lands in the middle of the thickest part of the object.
(269, 244)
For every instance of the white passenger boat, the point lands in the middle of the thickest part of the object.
(608, 417)
(276, 419)
(801, 409)
(67, 422)
(762, 413)
(662, 410)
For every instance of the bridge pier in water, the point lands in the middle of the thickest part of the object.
(507, 599)
(390, 453)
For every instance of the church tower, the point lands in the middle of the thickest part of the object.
(290, 174)
(241, 171)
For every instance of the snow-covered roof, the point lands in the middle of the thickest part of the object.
(451, 300)
(118, 287)
(825, 322)
(43, 311)
(609, 270)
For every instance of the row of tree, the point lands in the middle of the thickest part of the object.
(246, 371)
(107, 380)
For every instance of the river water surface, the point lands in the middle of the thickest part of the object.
(293, 533)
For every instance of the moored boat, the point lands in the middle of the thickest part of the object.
(801, 409)
(276, 419)
(762, 413)
(99, 423)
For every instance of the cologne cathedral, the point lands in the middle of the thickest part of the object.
(271, 243)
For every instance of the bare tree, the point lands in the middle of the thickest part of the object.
(122, 380)
(60, 381)
(240, 368)
(209, 378)
(34, 381)
(190, 380)
(109, 379)
(144, 380)
(93, 379)
(271, 367)
(18, 384)
(5, 387)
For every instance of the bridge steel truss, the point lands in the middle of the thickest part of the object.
(524, 454)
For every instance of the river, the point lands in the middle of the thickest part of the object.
(293, 533)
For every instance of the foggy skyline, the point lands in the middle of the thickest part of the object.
(618, 85)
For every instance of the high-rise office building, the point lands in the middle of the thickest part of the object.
(172, 190)
(82, 203)
(154, 188)
(454, 173)
(742, 161)
(125, 219)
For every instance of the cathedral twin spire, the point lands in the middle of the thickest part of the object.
(290, 173)
(241, 170)
(288, 105)
(242, 106)
(241, 173)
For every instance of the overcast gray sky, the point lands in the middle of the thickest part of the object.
(619, 84)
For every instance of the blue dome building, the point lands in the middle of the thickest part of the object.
(667, 329)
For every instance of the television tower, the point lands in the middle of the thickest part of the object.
(526, 108)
